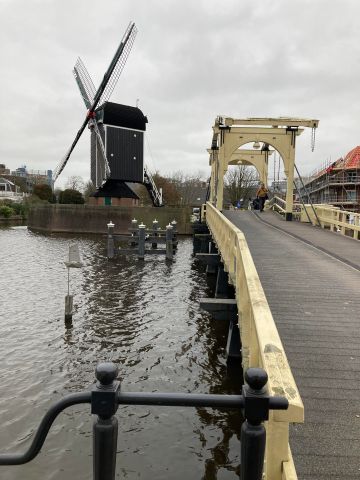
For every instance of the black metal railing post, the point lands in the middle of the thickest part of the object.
(105, 398)
(104, 404)
(256, 411)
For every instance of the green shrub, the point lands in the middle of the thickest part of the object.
(71, 196)
(18, 208)
(6, 211)
(44, 192)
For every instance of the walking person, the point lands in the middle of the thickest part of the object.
(262, 195)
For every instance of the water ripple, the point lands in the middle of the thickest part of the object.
(144, 316)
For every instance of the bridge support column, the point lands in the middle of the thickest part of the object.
(225, 309)
(289, 162)
(220, 308)
(223, 289)
(211, 269)
(210, 259)
(200, 233)
(233, 344)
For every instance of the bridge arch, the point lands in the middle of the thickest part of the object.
(230, 134)
(255, 158)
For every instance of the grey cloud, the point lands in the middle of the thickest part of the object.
(190, 62)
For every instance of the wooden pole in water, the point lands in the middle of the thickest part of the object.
(73, 261)
(169, 242)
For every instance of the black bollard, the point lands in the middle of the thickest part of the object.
(141, 251)
(104, 404)
(169, 242)
(134, 226)
(175, 241)
(110, 243)
(155, 234)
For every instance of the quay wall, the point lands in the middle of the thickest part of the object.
(94, 219)
(15, 220)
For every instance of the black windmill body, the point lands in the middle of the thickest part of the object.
(122, 130)
(117, 131)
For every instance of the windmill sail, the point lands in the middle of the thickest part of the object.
(111, 76)
(128, 41)
(102, 165)
(84, 82)
(60, 167)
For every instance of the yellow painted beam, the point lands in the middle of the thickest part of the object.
(272, 122)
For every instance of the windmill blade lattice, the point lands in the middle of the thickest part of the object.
(103, 165)
(128, 42)
(60, 167)
(85, 83)
(105, 89)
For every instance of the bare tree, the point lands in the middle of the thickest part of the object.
(178, 188)
(170, 193)
(89, 188)
(75, 182)
(240, 183)
(189, 186)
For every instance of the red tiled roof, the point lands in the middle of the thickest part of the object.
(351, 160)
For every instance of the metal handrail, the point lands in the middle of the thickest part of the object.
(106, 396)
(157, 196)
(44, 427)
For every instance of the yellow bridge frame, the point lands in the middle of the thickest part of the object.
(230, 134)
(261, 344)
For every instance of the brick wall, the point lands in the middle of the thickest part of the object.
(94, 219)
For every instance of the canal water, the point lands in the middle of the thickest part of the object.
(145, 317)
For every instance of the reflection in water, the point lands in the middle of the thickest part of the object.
(143, 315)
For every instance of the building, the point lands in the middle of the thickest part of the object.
(4, 170)
(33, 177)
(337, 183)
(9, 191)
(279, 186)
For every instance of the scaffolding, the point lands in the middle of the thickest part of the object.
(336, 183)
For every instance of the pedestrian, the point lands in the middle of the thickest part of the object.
(262, 195)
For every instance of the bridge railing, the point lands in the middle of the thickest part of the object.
(342, 221)
(261, 344)
(278, 204)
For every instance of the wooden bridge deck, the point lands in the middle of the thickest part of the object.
(311, 279)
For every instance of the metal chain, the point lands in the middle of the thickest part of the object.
(313, 138)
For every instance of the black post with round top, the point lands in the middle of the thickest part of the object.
(256, 411)
(106, 397)
(104, 404)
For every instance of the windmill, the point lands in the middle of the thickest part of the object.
(117, 131)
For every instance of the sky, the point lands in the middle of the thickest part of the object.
(191, 61)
